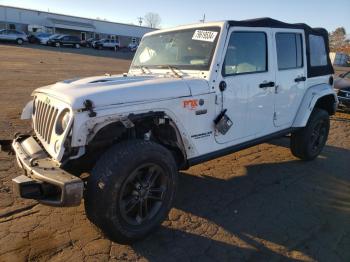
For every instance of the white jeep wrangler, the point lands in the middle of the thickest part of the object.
(193, 93)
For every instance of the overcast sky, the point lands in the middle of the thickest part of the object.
(317, 13)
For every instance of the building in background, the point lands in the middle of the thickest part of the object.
(31, 21)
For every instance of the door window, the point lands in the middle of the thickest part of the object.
(318, 54)
(246, 53)
(289, 50)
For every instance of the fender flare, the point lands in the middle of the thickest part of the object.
(311, 96)
(86, 130)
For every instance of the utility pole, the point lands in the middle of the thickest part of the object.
(140, 20)
(202, 20)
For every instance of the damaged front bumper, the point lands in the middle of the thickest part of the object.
(43, 179)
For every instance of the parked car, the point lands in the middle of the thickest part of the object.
(88, 42)
(39, 38)
(44, 41)
(133, 47)
(64, 40)
(93, 42)
(107, 44)
(192, 94)
(9, 35)
(342, 87)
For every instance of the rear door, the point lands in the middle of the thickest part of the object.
(12, 34)
(290, 74)
(72, 40)
(65, 40)
(107, 43)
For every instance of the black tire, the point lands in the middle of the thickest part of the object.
(308, 142)
(113, 189)
(19, 41)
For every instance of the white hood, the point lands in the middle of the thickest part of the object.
(113, 90)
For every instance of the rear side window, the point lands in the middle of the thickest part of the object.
(318, 54)
(246, 53)
(289, 50)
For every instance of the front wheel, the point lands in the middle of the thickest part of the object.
(131, 190)
(58, 44)
(308, 142)
(77, 46)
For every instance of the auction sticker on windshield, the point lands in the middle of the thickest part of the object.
(201, 35)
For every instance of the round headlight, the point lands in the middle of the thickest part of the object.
(62, 122)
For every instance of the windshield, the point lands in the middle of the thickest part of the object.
(55, 36)
(184, 49)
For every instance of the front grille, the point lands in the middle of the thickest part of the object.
(343, 93)
(45, 116)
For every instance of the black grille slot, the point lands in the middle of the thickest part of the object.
(45, 116)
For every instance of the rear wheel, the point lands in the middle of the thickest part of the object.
(308, 142)
(131, 190)
(19, 41)
(77, 46)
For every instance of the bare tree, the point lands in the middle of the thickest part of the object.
(337, 38)
(152, 20)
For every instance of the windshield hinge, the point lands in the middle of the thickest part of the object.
(89, 107)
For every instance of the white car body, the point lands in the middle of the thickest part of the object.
(191, 99)
(44, 40)
(12, 35)
(107, 43)
(119, 96)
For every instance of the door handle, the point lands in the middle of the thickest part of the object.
(300, 79)
(267, 84)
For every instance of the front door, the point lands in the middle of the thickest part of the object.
(249, 76)
(290, 75)
(3, 34)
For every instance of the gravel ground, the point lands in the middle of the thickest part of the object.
(260, 204)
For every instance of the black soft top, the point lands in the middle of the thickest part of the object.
(272, 23)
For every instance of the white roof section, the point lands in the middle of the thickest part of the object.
(189, 26)
(28, 16)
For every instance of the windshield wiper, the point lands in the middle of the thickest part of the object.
(172, 68)
(142, 67)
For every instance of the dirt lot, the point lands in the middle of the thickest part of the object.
(260, 204)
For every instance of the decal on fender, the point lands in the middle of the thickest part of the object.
(190, 104)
